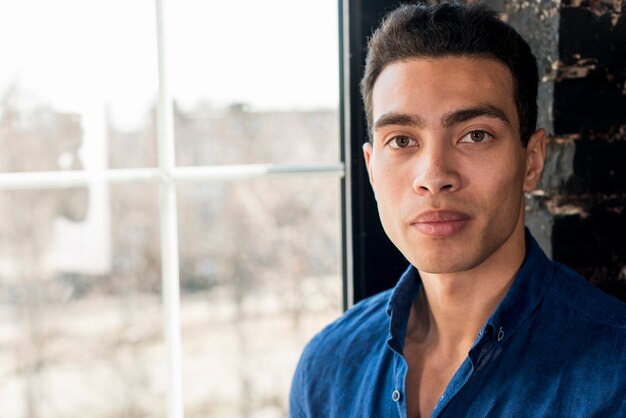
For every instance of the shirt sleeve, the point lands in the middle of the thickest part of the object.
(297, 394)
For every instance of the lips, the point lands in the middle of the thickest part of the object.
(441, 223)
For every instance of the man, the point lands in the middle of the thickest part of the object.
(482, 323)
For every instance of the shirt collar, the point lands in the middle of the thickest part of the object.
(530, 285)
(528, 288)
(399, 307)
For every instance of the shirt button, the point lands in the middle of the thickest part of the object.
(396, 395)
(500, 334)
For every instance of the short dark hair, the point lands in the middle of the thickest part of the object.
(453, 29)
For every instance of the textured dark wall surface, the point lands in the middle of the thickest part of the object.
(590, 112)
(578, 214)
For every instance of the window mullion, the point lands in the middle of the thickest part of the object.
(168, 224)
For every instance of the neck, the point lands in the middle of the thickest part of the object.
(453, 307)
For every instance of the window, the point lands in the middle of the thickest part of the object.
(373, 263)
(170, 231)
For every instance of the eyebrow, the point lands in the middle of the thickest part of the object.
(449, 119)
(401, 119)
(465, 114)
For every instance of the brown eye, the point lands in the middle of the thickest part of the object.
(477, 136)
(402, 141)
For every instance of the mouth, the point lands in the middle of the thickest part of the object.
(441, 223)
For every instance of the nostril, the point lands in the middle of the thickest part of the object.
(447, 182)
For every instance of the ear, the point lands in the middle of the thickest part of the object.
(535, 157)
(368, 150)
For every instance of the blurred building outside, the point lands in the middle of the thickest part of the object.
(80, 268)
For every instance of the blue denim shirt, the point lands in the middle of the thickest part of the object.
(554, 347)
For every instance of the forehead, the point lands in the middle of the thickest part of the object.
(433, 86)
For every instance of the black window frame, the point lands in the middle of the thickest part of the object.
(371, 263)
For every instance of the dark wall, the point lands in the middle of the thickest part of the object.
(590, 111)
(578, 213)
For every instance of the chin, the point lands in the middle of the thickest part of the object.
(442, 268)
(445, 263)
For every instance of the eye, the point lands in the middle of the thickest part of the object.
(477, 137)
(401, 141)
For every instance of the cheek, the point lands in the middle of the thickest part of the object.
(393, 181)
(500, 184)
(390, 188)
(507, 190)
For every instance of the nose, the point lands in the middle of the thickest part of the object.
(436, 171)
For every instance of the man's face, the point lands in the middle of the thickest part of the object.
(446, 162)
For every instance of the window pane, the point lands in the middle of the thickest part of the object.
(255, 81)
(238, 136)
(78, 80)
(80, 306)
(260, 274)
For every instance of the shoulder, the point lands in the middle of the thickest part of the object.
(586, 301)
(335, 354)
(577, 340)
(365, 321)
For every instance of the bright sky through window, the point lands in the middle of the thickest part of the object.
(76, 54)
